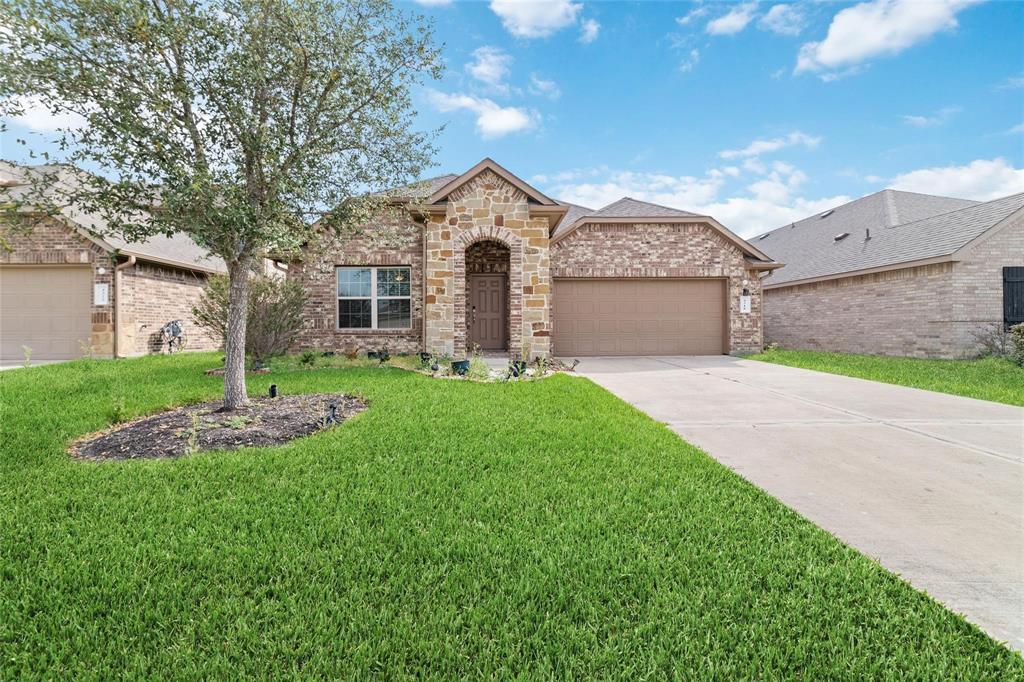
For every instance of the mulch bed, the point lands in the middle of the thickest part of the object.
(265, 421)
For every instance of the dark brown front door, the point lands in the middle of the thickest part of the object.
(487, 311)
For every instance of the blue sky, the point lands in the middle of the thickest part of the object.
(755, 113)
(758, 113)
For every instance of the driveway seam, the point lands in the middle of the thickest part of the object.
(851, 413)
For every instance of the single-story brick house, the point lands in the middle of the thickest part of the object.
(484, 260)
(65, 292)
(897, 273)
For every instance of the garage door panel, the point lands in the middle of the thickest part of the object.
(46, 309)
(639, 317)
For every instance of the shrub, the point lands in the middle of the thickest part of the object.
(1017, 341)
(992, 340)
(275, 313)
(478, 369)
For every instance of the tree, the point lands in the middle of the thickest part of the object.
(235, 121)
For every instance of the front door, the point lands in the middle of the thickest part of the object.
(488, 311)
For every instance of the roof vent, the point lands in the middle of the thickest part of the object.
(841, 236)
(763, 236)
(827, 213)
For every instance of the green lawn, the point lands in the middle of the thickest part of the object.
(535, 529)
(993, 379)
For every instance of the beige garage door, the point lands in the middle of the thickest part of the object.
(46, 309)
(639, 317)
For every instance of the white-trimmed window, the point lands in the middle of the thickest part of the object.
(374, 298)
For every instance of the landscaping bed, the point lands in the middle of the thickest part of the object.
(195, 428)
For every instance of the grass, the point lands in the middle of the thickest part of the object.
(454, 529)
(994, 379)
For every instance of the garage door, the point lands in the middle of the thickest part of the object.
(46, 309)
(639, 317)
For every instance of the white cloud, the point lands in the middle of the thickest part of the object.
(1015, 130)
(492, 120)
(692, 15)
(785, 20)
(589, 30)
(939, 118)
(758, 147)
(543, 87)
(535, 18)
(733, 22)
(690, 61)
(1012, 83)
(762, 205)
(36, 116)
(981, 180)
(878, 28)
(490, 66)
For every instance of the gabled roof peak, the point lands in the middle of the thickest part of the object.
(488, 164)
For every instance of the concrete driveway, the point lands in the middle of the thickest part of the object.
(928, 484)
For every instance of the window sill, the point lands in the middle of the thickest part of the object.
(377, 332)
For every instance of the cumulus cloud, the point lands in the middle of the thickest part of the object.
(980, 179)
(543, 87)
(692, 16)
(758, 147)
(733, 22)
(492, 119)
(36, 116)
(878, 28)
(939, 118)
(589, 30)
(536, 18)
(784, 20)
(668, 190)
(490, 66)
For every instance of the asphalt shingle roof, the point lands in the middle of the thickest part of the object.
(177, 249)
(904, 227)
(627, 207)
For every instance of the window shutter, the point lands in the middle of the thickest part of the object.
(1013, 296)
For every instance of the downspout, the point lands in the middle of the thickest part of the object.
(117, 303)
(277, 265)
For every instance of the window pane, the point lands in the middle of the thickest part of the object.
(354, 282)
(394, 314)
(355, 314)
(393, 282)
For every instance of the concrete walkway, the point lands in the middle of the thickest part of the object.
(928, 484)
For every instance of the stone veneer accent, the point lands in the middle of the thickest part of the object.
(929, 311)
(487, 208)
(688, 250)
(151, 294)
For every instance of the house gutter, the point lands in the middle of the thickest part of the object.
(117, 303)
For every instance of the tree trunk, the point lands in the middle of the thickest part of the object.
(235, 395)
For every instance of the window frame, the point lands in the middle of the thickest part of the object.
(373, 298)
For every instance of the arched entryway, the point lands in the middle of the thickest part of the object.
(488, 299)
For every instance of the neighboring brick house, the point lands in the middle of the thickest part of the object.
(897, 273)
(483, 260)
(66, 293)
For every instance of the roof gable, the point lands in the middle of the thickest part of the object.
(536, 196)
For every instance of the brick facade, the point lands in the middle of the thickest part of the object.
(397, 242)
(688, 250)
(151, 294)
(929, 311)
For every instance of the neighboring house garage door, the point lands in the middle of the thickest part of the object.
(46, 309)
(639, 317)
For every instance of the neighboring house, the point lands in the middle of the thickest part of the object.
(65, 292)
(483, 260)
(897, 273)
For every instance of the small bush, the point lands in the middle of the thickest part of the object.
(1017, 341)
(275, 313)
(308, 357)
(478, 369)
(993, 340)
